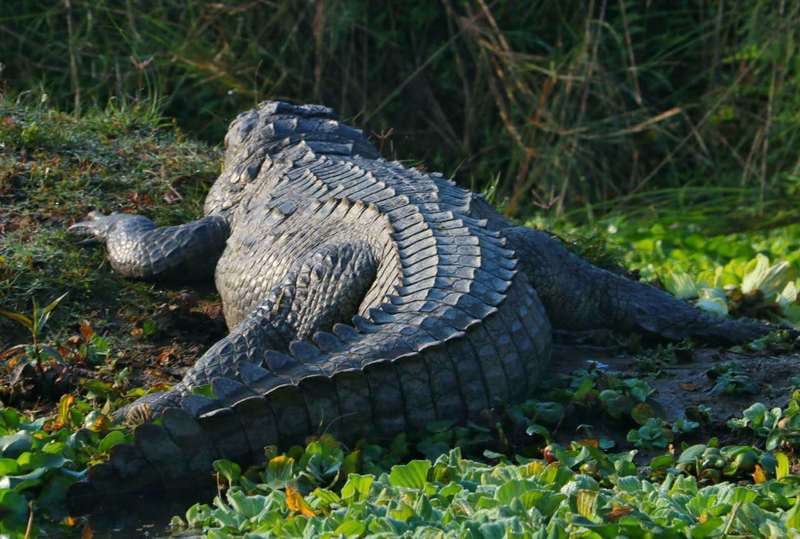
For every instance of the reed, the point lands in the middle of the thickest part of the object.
(576, 108)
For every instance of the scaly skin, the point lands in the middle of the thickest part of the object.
(361, 296)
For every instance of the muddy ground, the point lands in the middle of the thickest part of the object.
(727, 381)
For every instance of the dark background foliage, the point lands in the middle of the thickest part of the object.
(570, 107)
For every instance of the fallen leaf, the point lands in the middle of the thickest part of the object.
(759, 476)
(86, 330)
(64, 406)
(167, 354)
(619, 511)
(295, 502)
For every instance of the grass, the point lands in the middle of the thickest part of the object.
(53, 170)
(598, 454)
(571, 107)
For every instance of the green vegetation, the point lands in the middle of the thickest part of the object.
(584, 493)
(53, 170)
(687, 108)
(40, 458)
(583, 488)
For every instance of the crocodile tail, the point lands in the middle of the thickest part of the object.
(579, 295)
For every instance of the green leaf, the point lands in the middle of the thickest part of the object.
(326, 497)
(350, 528)
(684, 426)
(40, 318)
(227, 469)
(244, 505)
(513, 489)
(769, 280)
(18, 317)
(492, 530)
(279, 471)
(586, 502)
(411, 475)
(402, 512)
(680, 284)
(115, 437)
(8, 466)
(616, 404)
(14, 509)
(22, 482)
(203, 390)
(13, 445)
(149, 328)
(793, 515)
(788, 295)
(783, 468)
(639, 389)
(451, 489)
(583, 390)
(53, 304)
(357, 487)
(756, 414)
(661, 462)
(539, 430)
(642, 413)
(630, 484)
(715, 305)
(709, 528)
(48, 461)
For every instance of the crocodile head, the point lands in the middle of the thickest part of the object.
(257, 136)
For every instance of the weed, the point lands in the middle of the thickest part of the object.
(34, 354)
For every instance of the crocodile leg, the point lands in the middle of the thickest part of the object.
(137, 248)
(578, 295)
(321, 289)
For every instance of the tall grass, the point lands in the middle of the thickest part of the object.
(574, 107)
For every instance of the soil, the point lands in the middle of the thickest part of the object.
(693, 380)
(155, 343)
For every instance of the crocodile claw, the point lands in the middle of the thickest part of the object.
(97, 225)
(148, 407)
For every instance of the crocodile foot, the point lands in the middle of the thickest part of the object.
(97, 225)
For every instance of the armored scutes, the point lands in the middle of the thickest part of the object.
(361, 296)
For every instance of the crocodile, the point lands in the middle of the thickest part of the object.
(363, 297)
